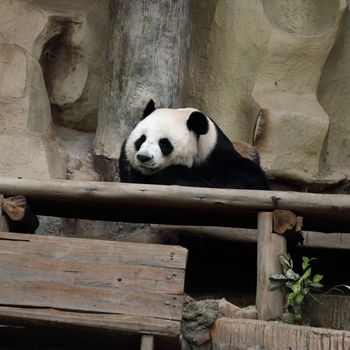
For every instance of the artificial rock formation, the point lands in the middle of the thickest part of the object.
(286, 58)
(26, 146)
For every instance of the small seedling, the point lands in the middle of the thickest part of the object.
(299, 288)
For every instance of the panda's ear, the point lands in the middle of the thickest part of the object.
(149, 109)
(198, 123)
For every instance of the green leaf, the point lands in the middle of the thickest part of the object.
(305, 263)
(278, 277)
(317, 278)
(299, 299)
(285, 262)
(306, 274)
(296, 288)
(292, 275)
(290, 284)
(316, 285)
(274, 286)
(289, 319)
(291, 299)
(306, 291)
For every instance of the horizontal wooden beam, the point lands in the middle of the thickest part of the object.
(311, 239)
(175, 204)
(60, 319)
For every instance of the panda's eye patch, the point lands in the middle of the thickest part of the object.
(165, 146)
(138, 143)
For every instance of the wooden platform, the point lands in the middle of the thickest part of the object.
(127, 287)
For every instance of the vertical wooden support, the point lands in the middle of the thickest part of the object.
(3, 221)
(269, 304)
(147, 342)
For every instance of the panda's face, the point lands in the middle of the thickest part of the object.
(162, 139)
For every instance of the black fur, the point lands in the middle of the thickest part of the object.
(149, 109)
(198, 123)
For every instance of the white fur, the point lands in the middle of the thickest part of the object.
(171, 124)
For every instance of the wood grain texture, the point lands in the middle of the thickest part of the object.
(147, 342)
(62, 319)
(232, 334)
(331, 311)
(95, 251)
(147, 57)
(311, 239)
(268, 303)
(177, 205)
(91, 277)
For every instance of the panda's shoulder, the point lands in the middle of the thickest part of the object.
(251, 172)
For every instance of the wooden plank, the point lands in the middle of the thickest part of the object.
(269, 304)
(62, 319)
(90, 299)
(147, 342)
(243, 334)
(122, 276)
(175, 204)
(95, 251)
(88, 276)
(311, 239)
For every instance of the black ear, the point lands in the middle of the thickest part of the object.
(198, 123)
(149, 109)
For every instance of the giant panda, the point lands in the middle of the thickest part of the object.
(185, 147)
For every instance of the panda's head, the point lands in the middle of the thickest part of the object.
(166, 137)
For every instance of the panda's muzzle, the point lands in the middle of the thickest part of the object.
(143, 159)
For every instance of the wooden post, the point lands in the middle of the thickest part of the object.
(3, 221)
(147, 342)
(269, 304)
(147, 57)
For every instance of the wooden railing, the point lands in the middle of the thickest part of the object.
(191, 206)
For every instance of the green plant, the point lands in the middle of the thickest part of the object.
(299, 288)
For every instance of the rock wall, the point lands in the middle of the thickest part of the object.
(288, 58)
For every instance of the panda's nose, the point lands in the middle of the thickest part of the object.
(143, 159)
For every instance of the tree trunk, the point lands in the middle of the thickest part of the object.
(146, 58)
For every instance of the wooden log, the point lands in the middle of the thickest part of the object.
(268, 303)
(311, 239)
(3, 220)
(147, 342)
(147, 57)
(243, 334)
(177, 205)
(20, 216)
